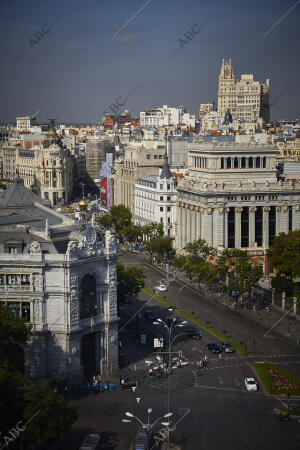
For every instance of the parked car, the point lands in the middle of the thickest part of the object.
(251, 384)
(161, 288)
(149, 315)
(214, 348)
(227, 347)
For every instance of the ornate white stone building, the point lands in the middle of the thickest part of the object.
(155, 200)
(232, 198)
(62, 280)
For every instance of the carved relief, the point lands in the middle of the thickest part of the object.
(37, 282)
(284, 209)
(266, 208)
(221, 210)
(296, 208)
(238, 210)
(35, 247)
(73, 298)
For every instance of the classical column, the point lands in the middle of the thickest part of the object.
(284, 220)
(296, 217)
(198, 222)
(219, 240)
(265, 231)
(252, 210)
(208, 225)
(278, 215)
(226, 211)
(237, 218)
(183, 231)
(195, 222)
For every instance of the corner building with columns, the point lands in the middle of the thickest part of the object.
(232, 199)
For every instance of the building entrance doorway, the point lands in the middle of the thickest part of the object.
(88, 355)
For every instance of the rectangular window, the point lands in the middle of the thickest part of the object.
(161, 208)
(169, 220)
(161, 220)
(168, 186)
(148, 156)
(161, 198)
(161, 186)
(168, 208)
(168, 198)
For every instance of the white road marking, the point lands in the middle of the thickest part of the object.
(236, 382)
(220, 380)
(194, 372)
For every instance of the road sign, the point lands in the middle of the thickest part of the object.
(158, 342)
(143, 338)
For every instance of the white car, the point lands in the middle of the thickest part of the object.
(161, 288)
(251, 384)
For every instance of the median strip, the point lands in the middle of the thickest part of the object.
(275, 380)
(238, 347)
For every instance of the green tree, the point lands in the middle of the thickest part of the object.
(282, 284)
(14, 335)
(131, 232)
(119, 216)
(197, 260)
(284, 254)
(130, 281)
(152, 229)
(20, 398)
(237, 272)
(160, 245)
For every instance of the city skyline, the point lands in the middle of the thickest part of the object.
(72, 61)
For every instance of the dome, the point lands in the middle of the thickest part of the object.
(83, 204)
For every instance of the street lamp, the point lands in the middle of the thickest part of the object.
(169, 328)
(146, 426)
(179, 292)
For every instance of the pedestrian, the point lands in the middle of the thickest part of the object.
(120, 344)
(254, 308)
(150, 371)
(99, 378)
(201, 363)
(220, 355)
(205, 359)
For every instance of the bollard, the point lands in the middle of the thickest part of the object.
(283, 301)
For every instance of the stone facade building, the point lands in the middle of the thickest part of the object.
(232, 198)
(155, 200)
(246, 99)
(141, 160)
(62, 280)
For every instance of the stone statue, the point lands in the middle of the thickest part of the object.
(35, 247)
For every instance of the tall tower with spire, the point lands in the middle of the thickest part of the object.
(226, 87)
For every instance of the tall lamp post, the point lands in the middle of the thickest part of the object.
(148, 427)
(179, 292)
(169, 329)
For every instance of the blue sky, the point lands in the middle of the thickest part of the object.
(77, 68)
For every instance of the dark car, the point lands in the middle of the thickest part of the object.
(194, 334)
(149, 315)
(227, 347)
(214, 348)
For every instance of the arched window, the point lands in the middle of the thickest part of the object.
(88, 297)
(228, 163)
(250, 162)
(243, 162)
(264, 162)
(236, 163)
(257, 163)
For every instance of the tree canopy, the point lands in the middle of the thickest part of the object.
(152, 229)
(284, 254)
(130, 280)
(237, 272)
(197, 260)
(119, 216)
(160, 245)
(14, 335)
(21, 398)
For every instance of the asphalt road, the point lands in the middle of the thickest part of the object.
(222, 413)
(219, 317)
